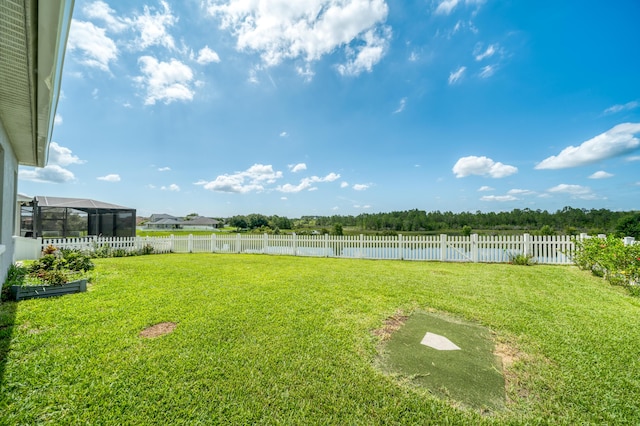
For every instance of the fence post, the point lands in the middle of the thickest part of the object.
(238, 243)
(474, 248)
(213, 242)
(526, 244)
(443, 247)
(171, 241)
(295, 244)
(628, 241)
(361, 246)
(190, 244)
(326, 245)
(400, 247)
(265, 244)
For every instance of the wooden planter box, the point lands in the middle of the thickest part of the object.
(36, 291)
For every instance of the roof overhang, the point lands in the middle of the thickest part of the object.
(33, 36)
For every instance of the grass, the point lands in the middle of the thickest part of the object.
(287, 340)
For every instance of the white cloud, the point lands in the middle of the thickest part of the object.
(297, 167)
(499, 198)
(305, 72)
(360, 187)
(413, 57)
(94, 47)
(57, 120)
(110, 178)
(633, 158)
(517, 191)
(401, 107)
(54, 172)
(368, 54)
(153, 27)
(615, 141)
(491, 50)
(307, 183)
(165, 81)
(49, 174)
(206, 56)
(487, 71)
(600, 175)
(445, 7)
(482, 166)
(344, 185)
(485, 189)
(622, 107)
(576, 191)
(250, 180)
(62, 156)
(173, 187)
(456, 75)
(307, 30)
(101, 10)
(164, 169)
(284, 134)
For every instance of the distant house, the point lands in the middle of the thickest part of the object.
(33, 38)
(165, 221)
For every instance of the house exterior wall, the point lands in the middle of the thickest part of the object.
(8, 198)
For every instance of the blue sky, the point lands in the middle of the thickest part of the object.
(322, 107)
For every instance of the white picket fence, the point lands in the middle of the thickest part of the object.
(474, 248)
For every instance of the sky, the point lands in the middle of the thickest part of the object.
(343, 107)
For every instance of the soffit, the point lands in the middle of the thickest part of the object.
(31, 33)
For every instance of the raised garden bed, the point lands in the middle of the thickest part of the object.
(22, 292)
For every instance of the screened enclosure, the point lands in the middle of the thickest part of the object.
(75, 217)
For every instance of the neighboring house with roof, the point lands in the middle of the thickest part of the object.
(165, 221)
(33, 37)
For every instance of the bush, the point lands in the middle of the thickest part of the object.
(521, 259)
(610, 258)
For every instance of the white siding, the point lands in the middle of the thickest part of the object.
(8, 174)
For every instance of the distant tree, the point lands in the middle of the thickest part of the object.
(257, 221)
(629, 226)
(191, 215)
(239, 222)
(547, 230)
(337, 229)
(571, 230)
(466, 230)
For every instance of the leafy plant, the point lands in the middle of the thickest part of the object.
(58, 266)
(147, 249)
(610, 258)
(15, 276)
(521, 259)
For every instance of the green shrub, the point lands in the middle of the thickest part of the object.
(147, 249)
(521, 259)
(77, 260)
(610, 258)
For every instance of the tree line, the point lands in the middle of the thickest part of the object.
(567, 220)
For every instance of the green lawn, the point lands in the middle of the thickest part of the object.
(288, 340)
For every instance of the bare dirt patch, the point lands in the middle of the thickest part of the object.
(158, 329)
(391, 324)
(513, 381)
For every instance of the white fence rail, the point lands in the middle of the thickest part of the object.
(474, 248)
